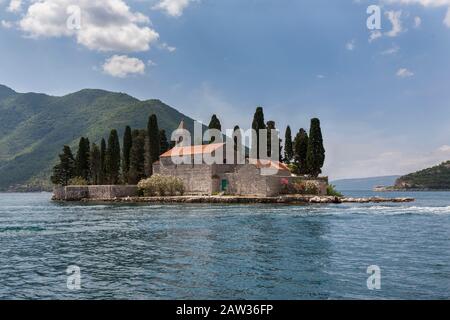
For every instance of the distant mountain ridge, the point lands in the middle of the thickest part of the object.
(364, 184)
(434, 178)
(34, 127)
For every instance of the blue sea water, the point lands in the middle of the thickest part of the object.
(225, 251)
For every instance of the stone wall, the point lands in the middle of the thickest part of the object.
(77, 193)
(197, 178)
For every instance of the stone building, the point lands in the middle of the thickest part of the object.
(201, 178)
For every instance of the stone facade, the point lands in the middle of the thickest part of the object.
(77, 193)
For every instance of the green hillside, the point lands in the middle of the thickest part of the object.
(34, 127)
(435, 178)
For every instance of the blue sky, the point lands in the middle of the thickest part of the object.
(384, 103)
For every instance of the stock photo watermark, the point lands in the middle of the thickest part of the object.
(73, 278)
(374, 280)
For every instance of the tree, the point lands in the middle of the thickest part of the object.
(271, 130)
(288, 149)
(82, 159)
(257, 125)
(300, 152)
(127, 143)
(113, 158)
(153, 141)
(65, 169)
(316, 151)
(214, 124)
(102, 176)
(137, 157)
(95, 164)
(164, 143)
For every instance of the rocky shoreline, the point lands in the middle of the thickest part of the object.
(288, 199)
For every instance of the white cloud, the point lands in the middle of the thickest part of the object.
(427, 3)
(6, 24)
(447, 18)
(123, 66)
(165, 46)
(350, 45)
(390, 51)
(404, 73)
(15, 6)
(395, 19)
(106, 25)
(173, 8)
(374, 35)
(417, 22)
(444, 148)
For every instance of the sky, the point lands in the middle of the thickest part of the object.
(382, 95)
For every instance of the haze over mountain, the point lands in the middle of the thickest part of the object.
(34, 127)
(364, 184)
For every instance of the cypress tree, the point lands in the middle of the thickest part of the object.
(153, 141)
(127, 143)
(102, 175)
(65, 169)
(316, 151)
(257, 125)
(288, 149)
(95, 164)
(113, 158)
(82, 159)
(164, 143)
(214, 124)
(300, 152)
(270, 130)
(137, 157)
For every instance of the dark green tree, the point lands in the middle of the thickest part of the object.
(113, 158)
(257, 125)
(65, 169)
(164, 143)
(82, 159)
(300, 152)
(102, 176)
(288, 149)
(137, 157)
(153, 141)
(214, 124)
(271, 130)
(316, 151)
(95, 164)
(127, 143)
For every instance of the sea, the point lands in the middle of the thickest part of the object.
(51, 250)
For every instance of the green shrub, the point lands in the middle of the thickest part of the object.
(78, 181)
(331, 191)
(161, 185)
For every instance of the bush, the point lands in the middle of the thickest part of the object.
(78, 181)
(299, 186)
(331, 191)
(161, 185)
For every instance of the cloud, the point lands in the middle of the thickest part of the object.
(417, 22)
(6, 24)
(350, 45)
(427, 3)
(404, 73)
(447, 18)
(123, 66)
(394, 18)
(374, 35)
(165, 46)
(15, 6)
(173, 8)
(105, 25)
(390, 51)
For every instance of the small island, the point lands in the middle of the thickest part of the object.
(145, 169)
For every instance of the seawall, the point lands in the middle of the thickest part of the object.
(78, 193)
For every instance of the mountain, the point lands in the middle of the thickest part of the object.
(435, 178)
(364, 183)
(34, 127)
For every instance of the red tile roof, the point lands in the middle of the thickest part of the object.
(192, 150)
